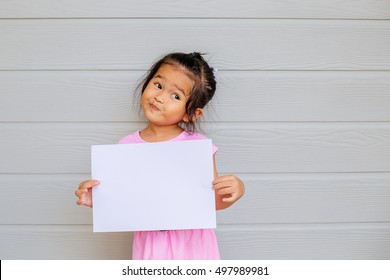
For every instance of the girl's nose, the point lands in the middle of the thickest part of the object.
(159, 98)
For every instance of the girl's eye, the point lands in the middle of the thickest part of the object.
(158, 85)
(176, 96)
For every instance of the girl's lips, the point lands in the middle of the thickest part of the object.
(153, 107)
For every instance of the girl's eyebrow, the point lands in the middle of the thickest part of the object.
(176, 86)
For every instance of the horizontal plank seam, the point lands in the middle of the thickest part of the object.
(203, 18)
(219, 70)
(222, 173)
(202, 122)
(240, 173)
(255, 226)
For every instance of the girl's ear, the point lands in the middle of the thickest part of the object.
(198, 114)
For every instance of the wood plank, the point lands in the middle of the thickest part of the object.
(333, 241)
(303, 147)
(129, 44)
(62, 243)
(107, 96)
(306, 242)
(311, 198)
(243, 147)
(42, 199)
(68, 96)
(365, 9)
(270, 198)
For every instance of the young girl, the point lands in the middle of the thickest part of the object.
(173, 95)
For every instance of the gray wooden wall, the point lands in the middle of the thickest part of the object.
(302, 115)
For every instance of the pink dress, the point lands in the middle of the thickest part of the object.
(190, 244)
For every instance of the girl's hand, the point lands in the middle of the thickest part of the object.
(84, 192)
(228, 189)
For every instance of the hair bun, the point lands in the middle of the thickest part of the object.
(215, 73)
(197, 55)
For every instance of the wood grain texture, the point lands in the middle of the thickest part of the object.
(62, 243)
(311, 198)
(333, 241)
(249, 96)
(45, 199)
(243, 147)
(129, 44)
(301, 115)
(42, 199)
(329, 9)
(304, 242)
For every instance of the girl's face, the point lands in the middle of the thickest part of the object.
(164, 98)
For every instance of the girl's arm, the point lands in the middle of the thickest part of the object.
(228, 189)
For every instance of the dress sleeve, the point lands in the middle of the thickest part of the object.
(215, 149)
(199, 136)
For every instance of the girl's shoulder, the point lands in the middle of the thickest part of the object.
(196, 136)
(187, 135)
(131, 138)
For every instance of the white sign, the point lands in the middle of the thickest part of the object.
(153, 186)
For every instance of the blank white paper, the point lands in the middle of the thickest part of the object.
(153, 186)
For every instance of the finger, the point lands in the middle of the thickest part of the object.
(88, 184)
(232, 198)
(223, 179)
(80, 192)
(84, 200)
(223, 184)
(81, 202)
(225, 191)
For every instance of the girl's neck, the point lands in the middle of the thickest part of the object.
(153, 133)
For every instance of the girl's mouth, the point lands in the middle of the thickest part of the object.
(153, 107)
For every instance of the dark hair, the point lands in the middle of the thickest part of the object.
(198, 70)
